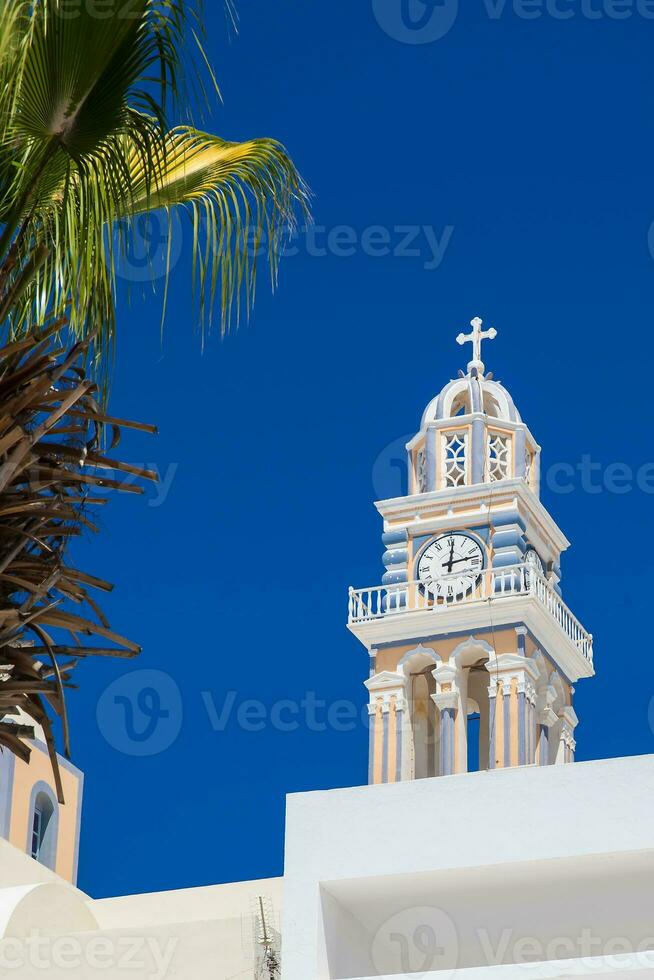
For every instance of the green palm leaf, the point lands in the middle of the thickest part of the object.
(85, 147)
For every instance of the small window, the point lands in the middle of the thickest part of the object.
(42, 844)
(499, 457)
(37, 832)
(454, 463)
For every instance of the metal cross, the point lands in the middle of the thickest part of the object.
(475, 338)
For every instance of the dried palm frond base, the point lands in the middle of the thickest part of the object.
(53, 443)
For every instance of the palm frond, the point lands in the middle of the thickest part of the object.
(84, 148)
(53, 461)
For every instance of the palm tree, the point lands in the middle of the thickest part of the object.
(85, 148)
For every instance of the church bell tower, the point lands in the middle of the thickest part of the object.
(473, 650)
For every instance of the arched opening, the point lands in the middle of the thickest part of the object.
(42, 832)
(423, 723)
(471, 659)
(478, 718)
(492, 406)
(461, 405)
(473, 735)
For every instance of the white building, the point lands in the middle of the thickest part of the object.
(478, 851)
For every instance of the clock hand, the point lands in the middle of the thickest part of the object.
(451, 561)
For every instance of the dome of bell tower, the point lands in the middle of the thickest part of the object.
(469, 395)
(471, 432)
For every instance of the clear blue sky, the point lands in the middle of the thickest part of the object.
(531, 140)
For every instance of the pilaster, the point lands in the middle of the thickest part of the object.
(388, 732)
(512, 716)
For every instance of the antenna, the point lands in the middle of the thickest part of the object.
(267, 940)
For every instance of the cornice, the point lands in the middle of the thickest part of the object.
(416, 511)
(461, 420)
(474, 617)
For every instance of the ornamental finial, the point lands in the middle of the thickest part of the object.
(475, 338)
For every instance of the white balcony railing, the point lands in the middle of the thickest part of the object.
(493, 584)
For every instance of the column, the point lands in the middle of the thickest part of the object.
(434, 464)
(447, 700)
(478, 451)
(498, 691)
(374, 740)
(400, 707)
(447, 704)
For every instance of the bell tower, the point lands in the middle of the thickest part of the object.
(473, 650)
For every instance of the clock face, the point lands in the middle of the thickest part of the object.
(532, 560)
(451, 565)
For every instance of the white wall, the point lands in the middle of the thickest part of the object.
(50, 929)
(546, 853)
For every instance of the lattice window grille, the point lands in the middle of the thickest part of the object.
(499, 457)
(456, 451)
(421, 471)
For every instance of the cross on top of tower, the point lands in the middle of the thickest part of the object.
(475, 338)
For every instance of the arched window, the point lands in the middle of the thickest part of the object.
(43, 826)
